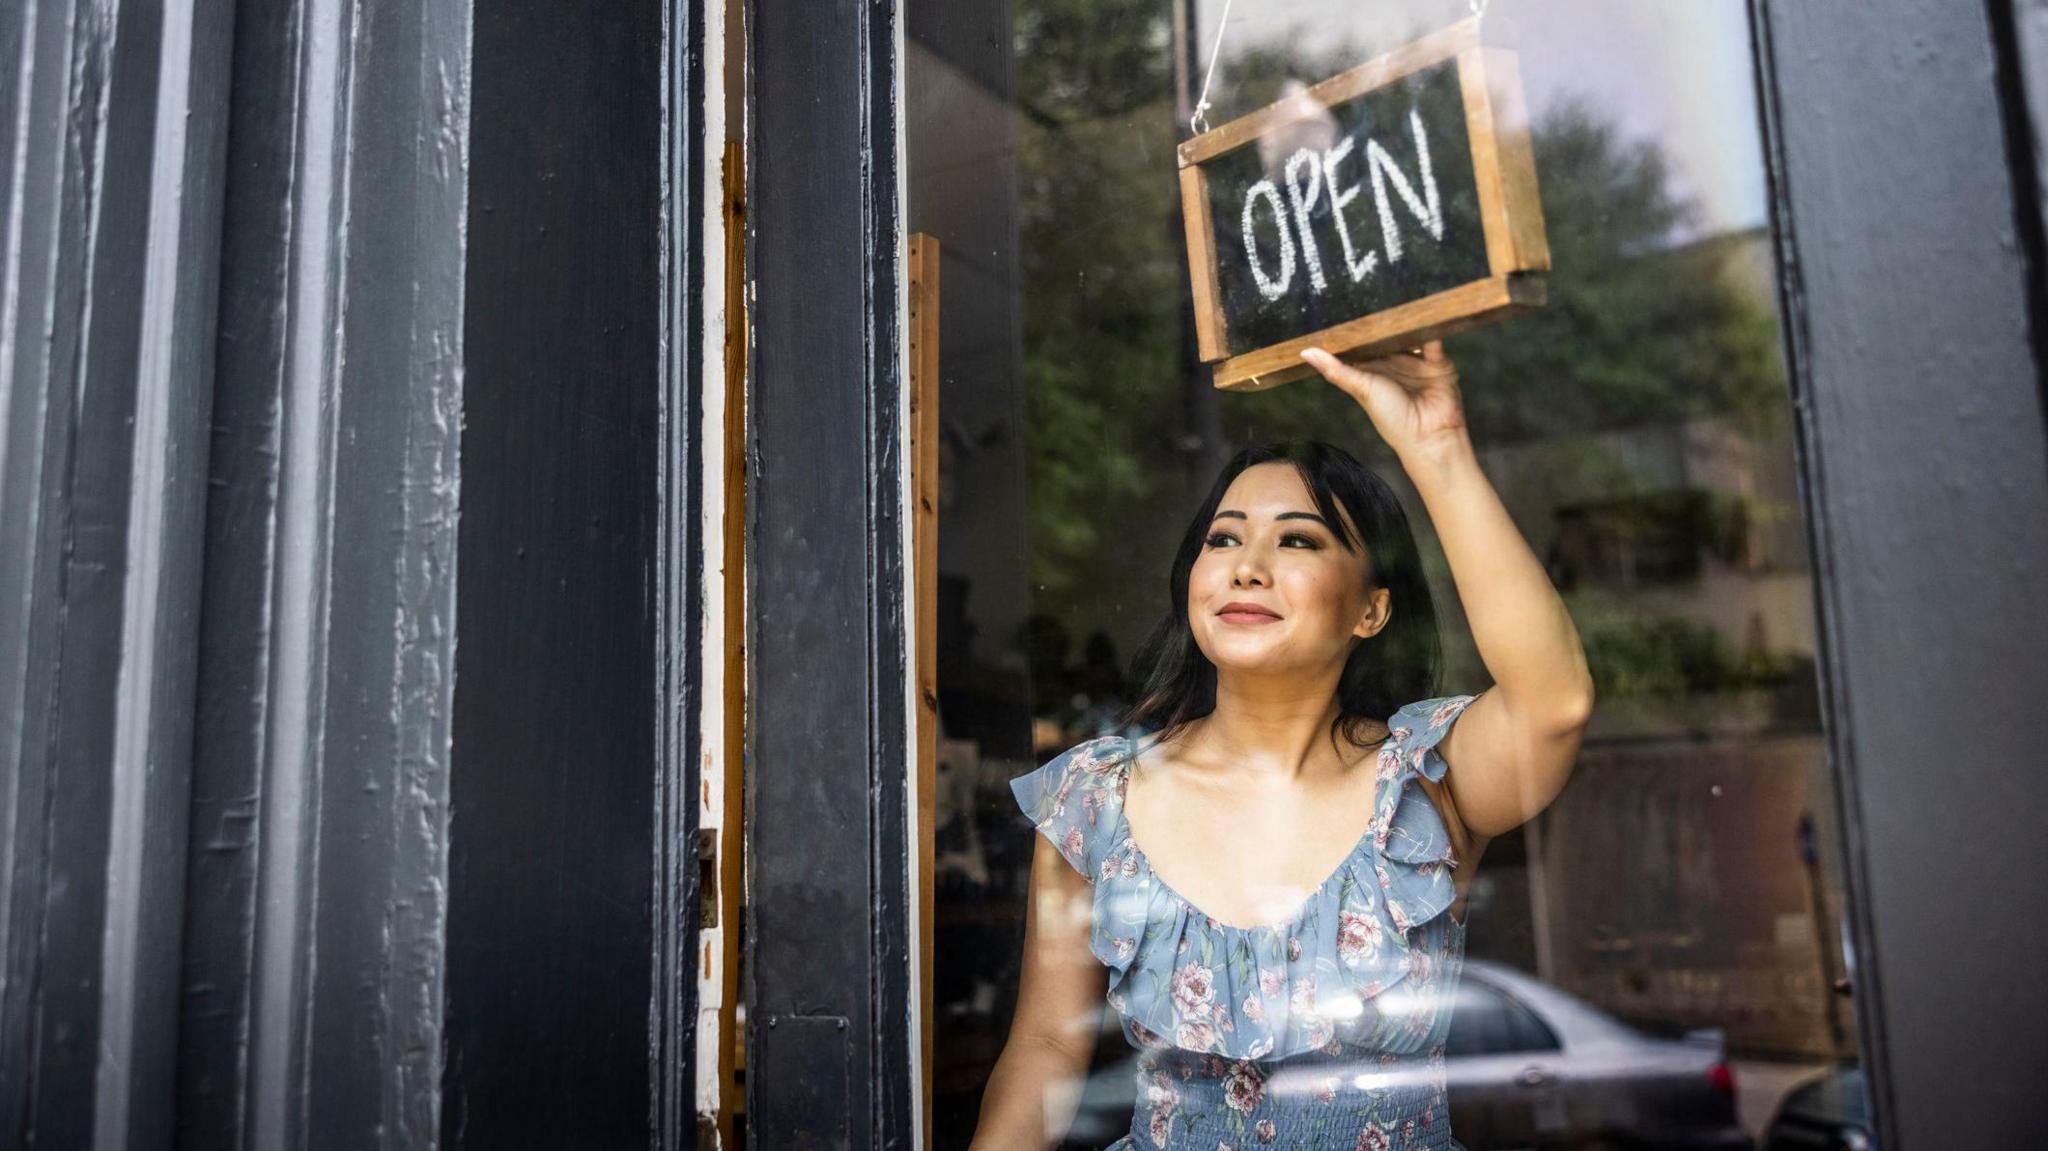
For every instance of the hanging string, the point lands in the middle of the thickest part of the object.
(1200, 120)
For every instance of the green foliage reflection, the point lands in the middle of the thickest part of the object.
(1649, 324)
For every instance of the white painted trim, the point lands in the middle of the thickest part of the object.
(907, 520)
(713, 770)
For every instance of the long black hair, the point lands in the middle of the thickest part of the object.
(1398, 665)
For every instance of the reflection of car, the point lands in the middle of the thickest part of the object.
(1825, 1114)
(1532, 1067)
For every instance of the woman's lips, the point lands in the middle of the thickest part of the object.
(1244, 613)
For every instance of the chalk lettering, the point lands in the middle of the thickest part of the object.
(1359, 266)
(1303, 194)
(1270, 287)
(1427, 207)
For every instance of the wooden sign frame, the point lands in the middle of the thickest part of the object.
(1517, 250)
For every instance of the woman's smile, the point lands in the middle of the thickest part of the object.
(1249, 614)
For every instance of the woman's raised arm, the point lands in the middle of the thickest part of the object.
(1512, 749)
(1031, 1094)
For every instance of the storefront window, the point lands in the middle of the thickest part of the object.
(1658, 957)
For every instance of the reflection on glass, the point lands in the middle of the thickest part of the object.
(1682, 896)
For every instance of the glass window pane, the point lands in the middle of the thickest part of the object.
(1680, 899)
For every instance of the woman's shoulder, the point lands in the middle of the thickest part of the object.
(1416, 728)
(1097, 760)
(1097, 755)
(1075, 799)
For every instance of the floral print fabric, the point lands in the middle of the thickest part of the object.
(1325, 1031)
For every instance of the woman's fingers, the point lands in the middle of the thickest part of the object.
(1337, 371)
(1418, 369)
(1413, 371)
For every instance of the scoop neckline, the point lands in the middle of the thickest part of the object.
(1123, 819)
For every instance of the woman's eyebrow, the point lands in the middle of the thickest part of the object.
(1237, 515)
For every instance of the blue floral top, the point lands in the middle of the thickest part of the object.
(1325, 1031)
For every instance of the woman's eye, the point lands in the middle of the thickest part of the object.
(1291, 539)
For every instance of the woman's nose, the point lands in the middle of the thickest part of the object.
(1249, 571)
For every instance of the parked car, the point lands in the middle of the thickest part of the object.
(1829, 1113)
(1530, 1067)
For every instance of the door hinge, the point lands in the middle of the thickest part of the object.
(707, 877)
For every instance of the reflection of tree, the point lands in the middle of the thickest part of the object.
(1635, 331)
(1632, 653)
(1638, 330)
(1102, 272)
(1080, 60)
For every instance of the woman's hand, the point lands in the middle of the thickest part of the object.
(1412, 398)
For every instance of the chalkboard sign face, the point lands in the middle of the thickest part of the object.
(1370, 204)
(1390, 205)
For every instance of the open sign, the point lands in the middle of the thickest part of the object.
(1391, 204)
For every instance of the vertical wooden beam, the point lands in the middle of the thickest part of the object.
(572, 875)
(922, 271)
(831, 911)
(1917, 394)
(114, 128)
(731, 855)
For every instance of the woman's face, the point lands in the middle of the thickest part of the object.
(1272, 591)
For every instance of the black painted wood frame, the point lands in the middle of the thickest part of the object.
(315, 911)
(113, 138)
(569, 964)
(829, 1009)
(209, 779)
(1902, 201)
(293, 365)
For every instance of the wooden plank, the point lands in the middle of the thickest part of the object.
(1493, 200)
(731, 1094)
(1516, 155)
(1409, 58)
(923, 338)
(574, 612)
(1212, 336)
(1427, 319)
(1503, 163)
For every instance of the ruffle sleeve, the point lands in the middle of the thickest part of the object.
(1074, 800)
(1415, 851)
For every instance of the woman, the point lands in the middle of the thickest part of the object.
(1270, 888)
